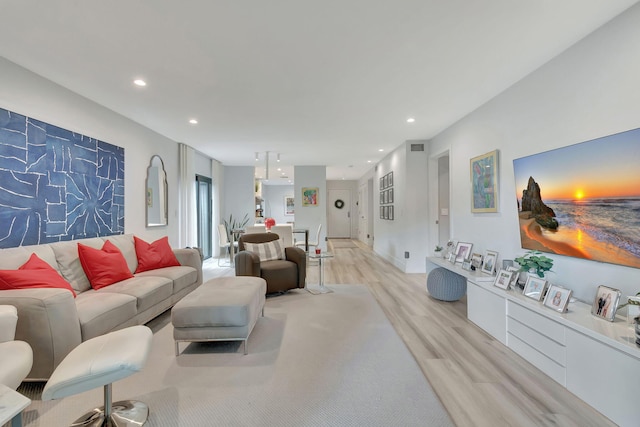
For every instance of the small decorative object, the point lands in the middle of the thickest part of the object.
(438, 251)
(636, 322)
(309, 196)
(633, 308)
(503, 278)
(269, 222)
(534, 288)
(489, 264)
(484, 182)
(535, 262)
(463, 251)
(557, 298)
(339, 204)
(466, 265)
(476, 261)
(606, 303)
(451, 247)
(452, 257)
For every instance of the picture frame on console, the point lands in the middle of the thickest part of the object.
(463, 251)
(606, 303)
(489, 264)
(534, 288)
(514, 277)
(503, 279)
(466, 265)
(557, 298)
(476, 261)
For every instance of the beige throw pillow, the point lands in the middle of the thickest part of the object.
(268, 251)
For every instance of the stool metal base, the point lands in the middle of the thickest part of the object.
(123, 413)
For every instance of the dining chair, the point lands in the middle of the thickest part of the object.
(285, 231)
(225, 244)
(315, 243)
(258, 228)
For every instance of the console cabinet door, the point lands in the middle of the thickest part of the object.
(604, 377)
(488, 311)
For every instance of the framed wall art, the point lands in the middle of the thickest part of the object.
(309, 196)
(484, 183)
(289, 205)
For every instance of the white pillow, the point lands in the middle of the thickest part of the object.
(268, 251)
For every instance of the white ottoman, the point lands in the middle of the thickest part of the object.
(222, 309)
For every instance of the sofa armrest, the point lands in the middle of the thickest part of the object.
(190, 257)
(48, 322)
(8, 321)
(247, 264)
(298, 256)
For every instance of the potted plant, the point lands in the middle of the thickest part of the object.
(438, 251)
(535, 262)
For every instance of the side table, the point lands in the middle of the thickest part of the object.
(11, 405)
(322, 289)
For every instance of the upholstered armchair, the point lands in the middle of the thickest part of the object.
(262, 255)
(16, 356)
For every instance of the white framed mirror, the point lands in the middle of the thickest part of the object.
(156, 194)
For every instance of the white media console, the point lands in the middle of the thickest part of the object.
(596, 360)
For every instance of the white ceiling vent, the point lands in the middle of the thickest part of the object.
(417, 147)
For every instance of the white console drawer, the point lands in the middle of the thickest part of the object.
(537, 359)
(543, 325)
(543, 344)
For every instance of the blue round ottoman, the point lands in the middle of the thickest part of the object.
(446, 285)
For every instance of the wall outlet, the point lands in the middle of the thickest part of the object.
(406, 255)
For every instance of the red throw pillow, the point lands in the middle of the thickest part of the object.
(35, 273)
(154, 255)
(105, 266)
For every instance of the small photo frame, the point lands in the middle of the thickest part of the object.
(463, 251)
(476, 260)
(466, 265)
(503, 279)
(514, 278)
(452, 257)
(534, 288)
(489, 264)
(606, 303)
(557, 298)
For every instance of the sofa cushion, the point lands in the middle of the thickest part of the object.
(102, 312)
(124, 242)
(268, 251)
(154, 255)
(69, 263)
(103, 267)
(35, 273)
(12, 258)
(182, 276)
(148, 291)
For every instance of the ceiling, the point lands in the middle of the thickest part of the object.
(322, 82)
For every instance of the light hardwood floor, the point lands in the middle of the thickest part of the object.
(479, 380)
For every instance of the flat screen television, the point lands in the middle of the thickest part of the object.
(583, 200)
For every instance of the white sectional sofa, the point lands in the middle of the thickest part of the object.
(53, 322)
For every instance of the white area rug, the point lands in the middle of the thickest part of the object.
(314, 360)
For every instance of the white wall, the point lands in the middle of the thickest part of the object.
(311, 216)
(589, 91)
(28, 94)
(273, 196)
(238, 193)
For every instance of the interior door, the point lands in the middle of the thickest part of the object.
(339, 218)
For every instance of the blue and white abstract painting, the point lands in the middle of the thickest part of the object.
(56, 184)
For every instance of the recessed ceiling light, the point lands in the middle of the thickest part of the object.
(381, 149)
(411, 120)
(139, 82)
(368, 161)
(193, 121)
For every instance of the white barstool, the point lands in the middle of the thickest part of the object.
(99, 362)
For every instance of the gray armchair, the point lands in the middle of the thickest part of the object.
(281, 275)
